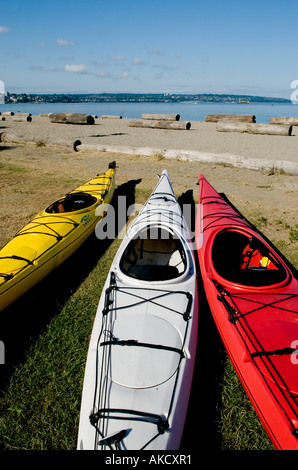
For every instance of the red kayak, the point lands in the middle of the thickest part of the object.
(253, 297)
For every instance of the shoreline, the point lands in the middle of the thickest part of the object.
(201, 143)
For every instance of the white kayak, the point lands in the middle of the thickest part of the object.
(142, 350)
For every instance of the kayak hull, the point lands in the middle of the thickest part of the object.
(254, 305)
(51, 237)
(141, 355)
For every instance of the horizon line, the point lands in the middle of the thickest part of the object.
(147, 93)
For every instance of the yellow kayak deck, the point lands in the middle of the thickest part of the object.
(52, 236)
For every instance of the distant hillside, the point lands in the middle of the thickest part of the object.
(138, 98)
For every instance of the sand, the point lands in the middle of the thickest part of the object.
(200, 143)
(34, 176)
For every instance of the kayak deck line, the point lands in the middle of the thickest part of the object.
(223, 292)
(28, 231)
(135, 342)
(279, 352)
(94, 191)
(284, 298)
(103, 413)
(216, 218)
(247, 335)
(162, 293)
(126, 414)
(55, 234)
(153, 212)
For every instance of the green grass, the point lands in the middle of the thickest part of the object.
(239, 424)
(8, 168)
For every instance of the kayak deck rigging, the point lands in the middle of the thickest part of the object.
(165, 214)
(99, 418)
(248, 296)
(161, 293)
(270, 372)
(31, 230)
(217, 218)
(132, 415)
(49, 225)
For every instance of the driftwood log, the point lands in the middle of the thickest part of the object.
(8, 137)
(45, 114)
(20, 118)
(71, 118)
(23, 114)
(230, 117)
(160, 124)
(271, 129)
(107, 116)
(161, 117)
(292, 121)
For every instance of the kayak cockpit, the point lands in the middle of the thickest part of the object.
(244, 259)
(154, 255)
(71, 202)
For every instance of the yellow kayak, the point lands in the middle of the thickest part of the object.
(52, 236)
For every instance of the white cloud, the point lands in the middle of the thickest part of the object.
(4, 29)
(67, 58)
(166, 67)
(103, 74)
(123, 75)
(41, 68)
(156, 51)
(98, 64)
(64, 43)
(138, 61)
(117, 58)
(75, 68)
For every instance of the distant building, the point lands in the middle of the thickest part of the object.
(2, 92)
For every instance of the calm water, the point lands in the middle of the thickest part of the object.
(187, 111)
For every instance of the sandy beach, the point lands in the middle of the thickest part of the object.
(54, 168)
(201, 143)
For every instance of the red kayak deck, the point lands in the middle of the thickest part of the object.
(253, 297)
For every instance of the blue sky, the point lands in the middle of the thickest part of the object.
(95, 46)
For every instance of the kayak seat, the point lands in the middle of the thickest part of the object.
(154, 257)
(259, 277)
(71, 202)
(153, 273)
(229, 254)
